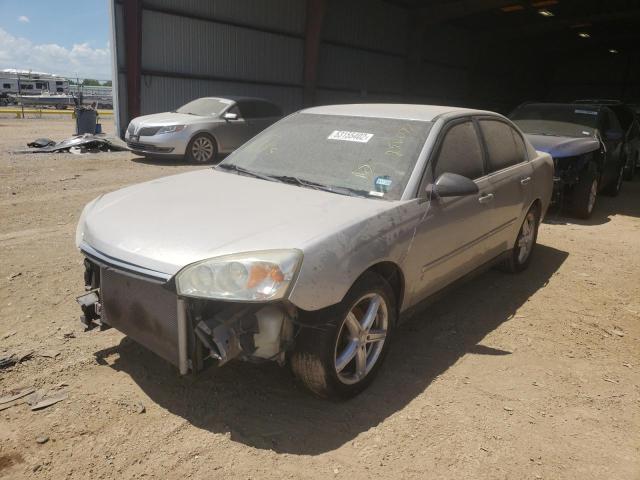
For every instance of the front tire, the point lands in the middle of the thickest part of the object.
(339, 358)
(202, 149)
(613, 189)
(583, 194)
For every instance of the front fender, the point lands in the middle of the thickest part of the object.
(331, 265)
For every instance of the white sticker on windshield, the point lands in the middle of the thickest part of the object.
(350, 136)
(587, 112)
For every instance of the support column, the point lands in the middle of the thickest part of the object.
(313, 37)
(132, 12)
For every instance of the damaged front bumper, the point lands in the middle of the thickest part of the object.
(189, 333)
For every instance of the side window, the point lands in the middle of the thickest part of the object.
(520, 146)
(502, 148)
(235, 110)
(248, 108)
(460, 152)
(6, 85)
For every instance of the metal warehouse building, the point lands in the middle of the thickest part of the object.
(483, 53)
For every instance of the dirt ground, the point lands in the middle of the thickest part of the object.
(534, 376)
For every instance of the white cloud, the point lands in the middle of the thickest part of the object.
(81, 59)
(23, 19)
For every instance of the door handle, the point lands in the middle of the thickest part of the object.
(525, 180)
(486, 198)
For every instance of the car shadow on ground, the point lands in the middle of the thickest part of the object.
(261, 405)
(627, 203)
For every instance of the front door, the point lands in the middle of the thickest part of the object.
(450, 239)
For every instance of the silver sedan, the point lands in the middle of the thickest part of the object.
(314, 239)
(201, 129)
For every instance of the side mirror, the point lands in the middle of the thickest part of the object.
(230, 116)
(614, 135)
(453, 185)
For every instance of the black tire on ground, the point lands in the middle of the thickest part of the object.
(630, 173)
(202, 148)
(582, 196)
(526, 239)
(613, 189)
(320, 347)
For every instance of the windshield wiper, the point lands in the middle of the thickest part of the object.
(236, 168)
(320, 186)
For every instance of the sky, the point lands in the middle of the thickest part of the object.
(65, 37)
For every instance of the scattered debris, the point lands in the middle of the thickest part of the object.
(628, 365)
(16, 394)
(41, 143)
(508, 409)
(68, 335)
(616, 331)
(48, 353)
(14, 275)
(14, 358)
(9, 334)
(16, 397)
(140, 408)
(48, 401)
(42, 439)
(609, 380)
(86, 143)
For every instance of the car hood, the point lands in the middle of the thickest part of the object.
(170, 118)
(559, 147)
(165, 224)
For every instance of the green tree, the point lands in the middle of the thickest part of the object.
(89, 82)
(107, 83)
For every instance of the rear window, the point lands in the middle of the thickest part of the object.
(504, 145)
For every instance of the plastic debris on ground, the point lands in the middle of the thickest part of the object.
(87, 143)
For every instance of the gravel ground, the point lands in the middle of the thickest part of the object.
(534, 376)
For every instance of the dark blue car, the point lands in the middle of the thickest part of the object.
(587, 146)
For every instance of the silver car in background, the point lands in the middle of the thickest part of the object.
(201, 129)
(312, 240)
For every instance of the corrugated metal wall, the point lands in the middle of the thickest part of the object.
(362, 56)
(194, 48)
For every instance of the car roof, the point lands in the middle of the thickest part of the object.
(425, 113)
(237, 98)
(596, 107)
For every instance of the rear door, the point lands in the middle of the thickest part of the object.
(450, 240)
(510, 173)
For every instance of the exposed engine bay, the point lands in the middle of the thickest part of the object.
(191, 333)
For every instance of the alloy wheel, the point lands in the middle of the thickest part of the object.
(361, 338)
(202, 149)
(593, 193)
(526, 237)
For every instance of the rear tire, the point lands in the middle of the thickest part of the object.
(583, 195)
(340, 356)
(522, 251)
(202, 149)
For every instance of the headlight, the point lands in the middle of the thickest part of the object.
(171, 129)
(251, 277)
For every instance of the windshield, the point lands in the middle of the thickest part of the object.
(557, 120)
(370, 156)
(205, 107)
